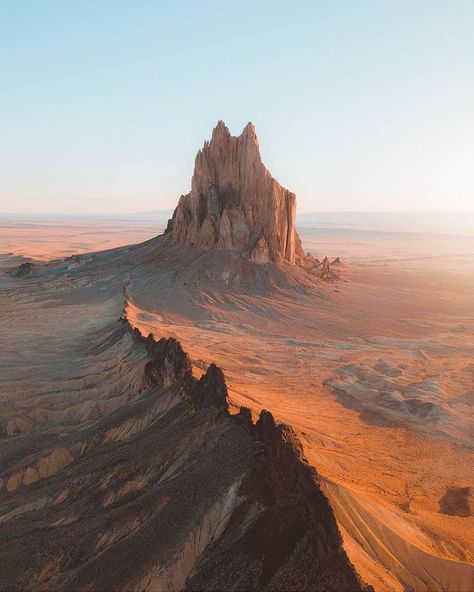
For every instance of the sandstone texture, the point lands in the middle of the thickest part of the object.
(236, 204)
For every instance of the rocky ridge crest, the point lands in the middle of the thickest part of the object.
(280, 494)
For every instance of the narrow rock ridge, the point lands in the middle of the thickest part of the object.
(169, 364)
(283, 535)
(166, 491)
(236, 204)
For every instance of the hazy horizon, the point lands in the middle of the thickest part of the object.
(442, 215)
(357, 106)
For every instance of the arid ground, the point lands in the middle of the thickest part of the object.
(374, 371)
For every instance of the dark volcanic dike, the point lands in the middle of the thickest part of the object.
(167, 492)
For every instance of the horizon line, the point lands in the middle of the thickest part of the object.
(170, 210)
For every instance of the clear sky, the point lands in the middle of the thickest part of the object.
(358, 105)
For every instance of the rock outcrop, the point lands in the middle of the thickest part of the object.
(322, 269)
(210, 390)
(168, 362)
(168, 491)
(23, 270)
(283, 536)
(236, 204)
(325, 271)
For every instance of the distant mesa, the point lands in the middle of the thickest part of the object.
(236, 204)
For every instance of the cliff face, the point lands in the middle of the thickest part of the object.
(236, 204)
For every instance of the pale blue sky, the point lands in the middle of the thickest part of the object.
(358, 105)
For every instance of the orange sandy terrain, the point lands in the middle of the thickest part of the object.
(374, 371)
(44, 239)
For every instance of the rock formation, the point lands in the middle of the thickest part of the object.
(23, 270)
(168, 361)
(169, 364)
(325, 270)
(168, 491)
(236, 204)
(321, 269)
(209, 391)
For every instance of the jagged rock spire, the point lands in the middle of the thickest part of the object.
(236, 204)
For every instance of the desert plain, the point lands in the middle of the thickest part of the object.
(374, 369)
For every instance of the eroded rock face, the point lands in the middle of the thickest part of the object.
(322, 269)
(23, 270)
(210, 390)
(168, 363)
(236, 204)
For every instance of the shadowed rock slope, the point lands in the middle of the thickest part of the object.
(166, 492)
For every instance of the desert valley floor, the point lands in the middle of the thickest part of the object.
(374, 371)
